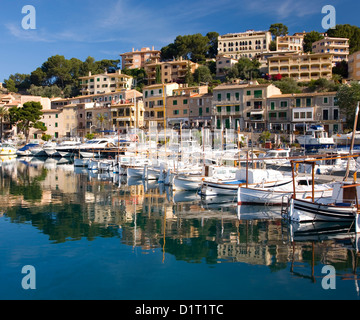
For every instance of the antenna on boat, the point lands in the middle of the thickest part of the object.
(352, 141)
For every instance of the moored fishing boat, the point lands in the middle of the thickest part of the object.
(264, 178)
(275, 195)
(7, 149)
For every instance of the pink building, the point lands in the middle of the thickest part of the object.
(136, 59)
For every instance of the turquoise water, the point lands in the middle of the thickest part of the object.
(91, 236)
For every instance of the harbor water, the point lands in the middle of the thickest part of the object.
(87, 235)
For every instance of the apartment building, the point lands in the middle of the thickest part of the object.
(200, 110)
(170, 71)
(245, 44)
(241, 105)
(105, 83)
(354, 66)
(302, 67)
(60, 123)
(178, 104)
(137, 58)
(94, 114)
(127, 116)
(290, 43)
(291, 112)
(155, 103)
(17, 100)
(223, 63)
(338, 47)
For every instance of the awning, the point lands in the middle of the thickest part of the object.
(257, 112)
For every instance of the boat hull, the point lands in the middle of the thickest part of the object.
(306, 211)
(209, 188)
(273, 197)
(187, 183)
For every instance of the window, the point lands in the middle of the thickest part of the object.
(282, 114)
(308, 102)
(298, 102)
(326, 99)
(237, 96)
(336, 114)
(228, 96)
(176, 111)
(200, 111)
(283, 104)
(207, 110)
(218, 109)
(219, 97)
(237, 108)
(272, 105)
(174, 102)
(185, 111)
(325, 114)
(272, 114)
(185, 101)
(56, 124)
(257, 93)
(248, 93)
(228, 108)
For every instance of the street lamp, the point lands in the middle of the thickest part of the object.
(91, 127)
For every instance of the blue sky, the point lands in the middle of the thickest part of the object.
(104, 29)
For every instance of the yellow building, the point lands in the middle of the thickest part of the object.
(155, 102)
(170, 71)
(354, 66)
(127, 116)
(105, 83)
(290, 43)
(301, 67)
(338, 47)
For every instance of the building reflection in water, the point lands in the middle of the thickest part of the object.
(71, 203)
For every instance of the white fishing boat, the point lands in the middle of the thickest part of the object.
(7, 149)
(315, 137)
(264, 178)
(275, 195)
(25, 151)
(67, 148)
(49, 148)
(343, 205)
(193, 180)
(277, 157)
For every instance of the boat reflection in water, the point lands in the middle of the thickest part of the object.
(103, 222)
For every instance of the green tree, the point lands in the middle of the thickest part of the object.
(157, 74)
(3, 115)
(347, 98)
(309, 39)
(341, 68)
(189, 77)
(26, 117)
(10, 85)
(213, 44)
(288, 85)
(202, 74)
(264, 136)
(195, 47)
(248, 69)
(278, 29)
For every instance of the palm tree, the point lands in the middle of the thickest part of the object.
(3, 115)
(101, 119)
